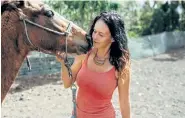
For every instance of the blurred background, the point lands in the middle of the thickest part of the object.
(156, 40)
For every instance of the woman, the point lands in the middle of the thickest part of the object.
(105, 67)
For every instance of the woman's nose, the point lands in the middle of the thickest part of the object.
(94, 36)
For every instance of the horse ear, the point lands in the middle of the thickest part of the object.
(20, 4)
(11, 5)
(4, 5)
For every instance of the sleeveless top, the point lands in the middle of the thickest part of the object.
(95, 92)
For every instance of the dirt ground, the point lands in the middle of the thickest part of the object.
(157, 91)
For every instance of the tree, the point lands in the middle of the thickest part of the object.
(130, 14)
(146, 18)
(182, 16)
(82, 12)
(164, 18)
(139, 19)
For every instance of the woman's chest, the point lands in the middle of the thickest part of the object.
(99, 84)
(92, 66)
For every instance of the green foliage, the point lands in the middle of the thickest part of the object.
(165, 18)
(182, 17)
(82, 12)
(145, 18)
(139, 20)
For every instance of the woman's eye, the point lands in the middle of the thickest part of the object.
(101, 34)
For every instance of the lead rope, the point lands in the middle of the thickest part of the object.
(73, 86)
(28, 63)
(27, 59)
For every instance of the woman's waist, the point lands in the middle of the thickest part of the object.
(87, 101)
(97, 111)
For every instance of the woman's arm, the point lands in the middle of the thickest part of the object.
(123, 89)
(74, 68)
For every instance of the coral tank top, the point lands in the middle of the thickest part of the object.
(95, 92)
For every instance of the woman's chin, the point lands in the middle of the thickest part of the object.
(95, 46)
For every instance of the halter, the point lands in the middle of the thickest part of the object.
(66, 33)
(66, 60)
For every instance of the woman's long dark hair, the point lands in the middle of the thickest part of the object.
(119, 53)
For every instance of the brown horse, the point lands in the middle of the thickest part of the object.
(28, 26)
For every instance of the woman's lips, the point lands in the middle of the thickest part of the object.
(95, 42)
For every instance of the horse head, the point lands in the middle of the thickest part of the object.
(43, 29)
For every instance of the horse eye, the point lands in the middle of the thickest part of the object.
(49, 13)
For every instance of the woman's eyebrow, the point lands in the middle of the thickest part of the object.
(99, 31)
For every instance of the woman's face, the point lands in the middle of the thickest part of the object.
(101, 35)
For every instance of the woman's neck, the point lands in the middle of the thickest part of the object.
(103, 52)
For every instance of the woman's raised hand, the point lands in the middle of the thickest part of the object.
(60, 56)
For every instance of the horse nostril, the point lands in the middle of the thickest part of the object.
(72, 45)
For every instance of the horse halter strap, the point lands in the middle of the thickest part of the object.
(66, 60)
(66, 33)
(25, 20)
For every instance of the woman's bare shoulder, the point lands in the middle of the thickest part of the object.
(83, 56)
(80, 58)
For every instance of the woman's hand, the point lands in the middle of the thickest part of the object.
(60, 56)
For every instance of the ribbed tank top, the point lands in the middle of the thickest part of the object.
(95, 92)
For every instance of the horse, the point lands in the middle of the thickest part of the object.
(32, 26)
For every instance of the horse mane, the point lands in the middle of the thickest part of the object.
(11, 5)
